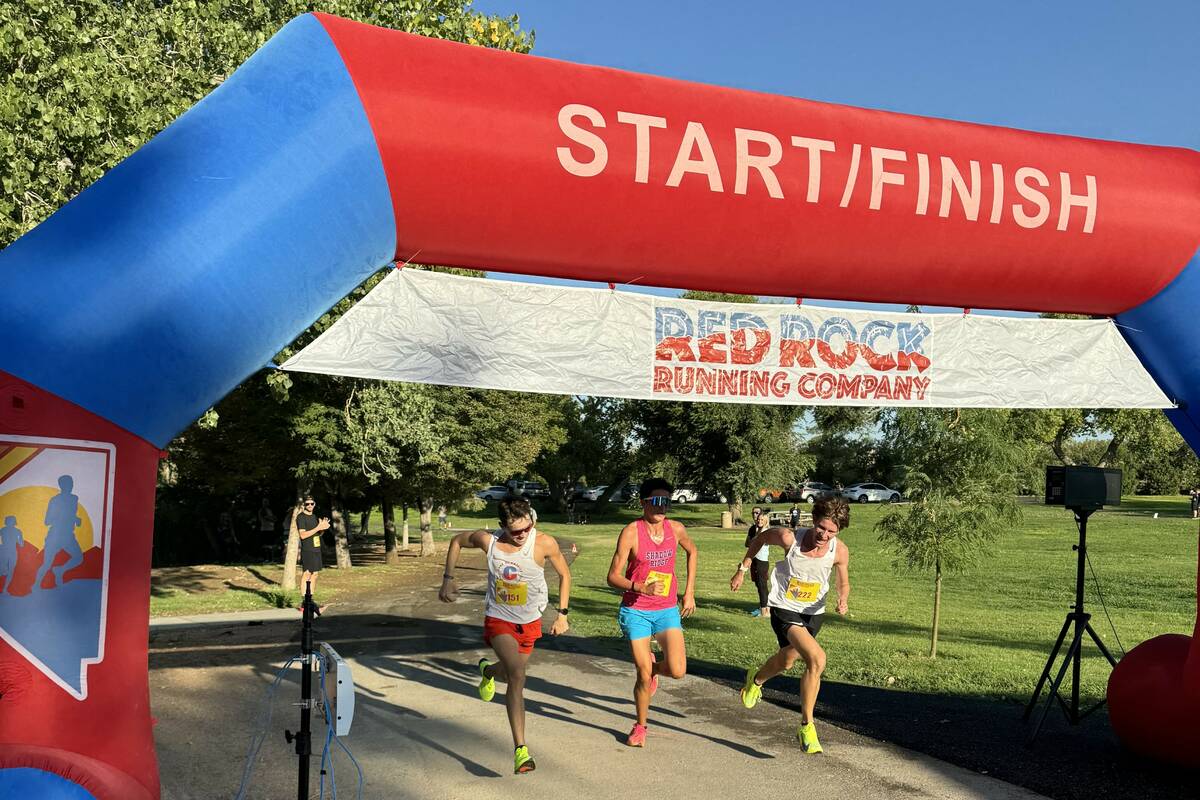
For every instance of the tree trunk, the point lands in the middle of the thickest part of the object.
(614, 486)
(341, 542)
(937, 608)
(404, 536)
(735, 509)
(364, 520)
(389, 532)
(425, 504)
(291, 552)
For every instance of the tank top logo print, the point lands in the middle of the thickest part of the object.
(510, 589)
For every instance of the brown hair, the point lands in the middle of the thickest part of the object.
(834, 509)
(511, 508)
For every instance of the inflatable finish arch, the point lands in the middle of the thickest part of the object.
(339, 147)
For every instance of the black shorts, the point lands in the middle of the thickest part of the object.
(782, 619)
(311, 559)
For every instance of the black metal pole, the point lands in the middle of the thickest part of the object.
(1081, 618)
(304, 737)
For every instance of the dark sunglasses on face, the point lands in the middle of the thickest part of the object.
(658, 502)
(519, 531)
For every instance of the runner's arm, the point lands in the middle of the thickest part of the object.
(693, 555)
(448, 592)
(620, 559)
(554, 553)
(777, 536)
(842, 563)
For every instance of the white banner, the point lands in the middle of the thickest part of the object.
(426, 327)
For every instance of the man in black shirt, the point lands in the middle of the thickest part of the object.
(309, 528)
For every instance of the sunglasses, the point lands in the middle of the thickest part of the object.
(309, 505)
(658, 502)
(519, 531)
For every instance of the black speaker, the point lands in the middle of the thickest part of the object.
(1082, 487)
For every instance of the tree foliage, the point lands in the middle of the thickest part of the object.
(84, 83)
(944, 531)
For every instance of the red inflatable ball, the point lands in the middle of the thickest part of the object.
(1154, 699)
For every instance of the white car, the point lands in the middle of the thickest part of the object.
(870, 492)
(493, 493)
(684, 494)
(593, 493)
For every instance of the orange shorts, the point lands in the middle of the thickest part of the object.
(525, 634)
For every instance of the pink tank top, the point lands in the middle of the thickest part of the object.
(657, 559)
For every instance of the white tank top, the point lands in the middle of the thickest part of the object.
(516, 588)
(800, 583)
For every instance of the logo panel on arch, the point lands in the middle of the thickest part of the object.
(55, 533)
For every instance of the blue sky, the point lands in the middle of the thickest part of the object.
(1110, 70)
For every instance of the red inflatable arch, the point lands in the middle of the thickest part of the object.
(339, 147)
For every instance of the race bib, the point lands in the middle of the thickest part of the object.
(511, 594)
(664, 582)
(803, 591)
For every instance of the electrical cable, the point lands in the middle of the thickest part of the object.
(328, 739)
(1100, 594)
(330, 735)
(260, 735)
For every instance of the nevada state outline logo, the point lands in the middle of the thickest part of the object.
(55, 534)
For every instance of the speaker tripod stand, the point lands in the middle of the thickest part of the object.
(1081, 621)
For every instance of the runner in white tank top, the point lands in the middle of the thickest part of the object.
(799, 588)
(516, 597)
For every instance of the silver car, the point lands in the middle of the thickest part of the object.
(870, 493)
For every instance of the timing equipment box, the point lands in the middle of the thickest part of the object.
(1082, 487)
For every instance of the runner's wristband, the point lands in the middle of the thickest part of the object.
(743, 568)
(447, 576)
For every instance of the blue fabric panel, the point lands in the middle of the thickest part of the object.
(1165, 334)
(191, 263)
(27, 783)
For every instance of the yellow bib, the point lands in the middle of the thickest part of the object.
(664, 582)
(803, 591)
(511, 594)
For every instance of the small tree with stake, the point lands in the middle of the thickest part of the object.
(944, 533)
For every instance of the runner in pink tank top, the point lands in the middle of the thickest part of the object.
(643, 567)
(653, 561)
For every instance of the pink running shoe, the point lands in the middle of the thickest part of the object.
(653, 677)
(637, 736)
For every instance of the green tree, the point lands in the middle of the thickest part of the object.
(944, 533)
(84, 83)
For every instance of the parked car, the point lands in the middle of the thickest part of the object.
(707, 496)
(592, 493)
(535, 489)
(492, 493)
(870, 492)
(685, 494)
(771, 495)
(812, 491)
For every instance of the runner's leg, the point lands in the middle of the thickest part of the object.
(511, 670)
(645, 671)
(674, 661)
(782, 661)
(814, 665)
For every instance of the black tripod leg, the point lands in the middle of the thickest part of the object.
(1062, 671)
(1112, 661)
(1046, 672)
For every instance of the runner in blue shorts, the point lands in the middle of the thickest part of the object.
(643, 566)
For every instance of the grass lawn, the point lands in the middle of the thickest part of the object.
(998, 622)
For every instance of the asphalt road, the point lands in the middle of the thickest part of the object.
(420, 730)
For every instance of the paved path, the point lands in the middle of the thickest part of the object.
(420, 731)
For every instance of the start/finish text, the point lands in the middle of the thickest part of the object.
(875, 176)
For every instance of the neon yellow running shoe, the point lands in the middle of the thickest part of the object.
(751, 691)
(807, 734)
(522, 761)
(487, 686)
